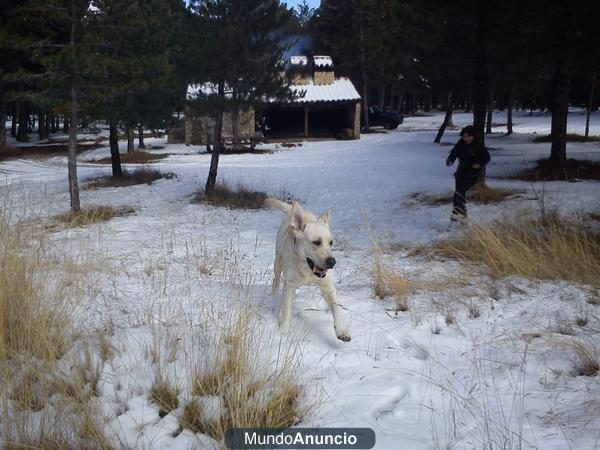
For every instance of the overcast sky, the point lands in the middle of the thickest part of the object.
(312, 3)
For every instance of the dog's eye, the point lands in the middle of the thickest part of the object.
(317, 243)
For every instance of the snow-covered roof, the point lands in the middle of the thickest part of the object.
(323, 61)
(298, 60)
(194, 90)
(341, 90)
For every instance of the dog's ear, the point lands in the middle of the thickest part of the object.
(297, 222)
(325, 218)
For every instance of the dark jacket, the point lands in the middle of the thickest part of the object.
(468, 154)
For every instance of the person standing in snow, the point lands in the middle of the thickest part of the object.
(472, 159)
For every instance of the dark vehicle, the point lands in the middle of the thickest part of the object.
(379, 117)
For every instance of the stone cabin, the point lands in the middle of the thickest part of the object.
(324, 107)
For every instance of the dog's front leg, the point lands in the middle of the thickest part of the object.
(285, 311)
(328, 291)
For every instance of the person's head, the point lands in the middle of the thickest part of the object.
(468, 134)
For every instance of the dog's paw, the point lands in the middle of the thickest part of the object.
(344, 337)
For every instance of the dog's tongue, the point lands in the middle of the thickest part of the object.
(319, 272)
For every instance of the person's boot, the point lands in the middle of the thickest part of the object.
(458, 218)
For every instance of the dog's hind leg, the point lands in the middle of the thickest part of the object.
(277, 269)
(285, 311)
(328, 291)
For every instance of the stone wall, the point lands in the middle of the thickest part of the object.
(324, 77)
(196, 128)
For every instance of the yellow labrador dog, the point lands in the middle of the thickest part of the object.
(303, 255)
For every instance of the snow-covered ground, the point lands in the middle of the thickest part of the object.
(420, 383)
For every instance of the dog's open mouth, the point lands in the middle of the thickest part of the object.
(316, 270)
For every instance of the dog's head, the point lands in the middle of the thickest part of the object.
(312, 240)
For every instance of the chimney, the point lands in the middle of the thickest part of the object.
(324, 73)
(298, 70)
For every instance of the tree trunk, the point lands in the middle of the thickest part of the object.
(23, 124)
(447, 119)
(490, 113)
(560, 106)
(392, 97)
(382, 96)
(66, 125)
(401, 99)
(115, 156)
(73, 186)
(48, 123)
(509, 112)
(365, 87)
(589, 105)
(13, 123)
(2, 125)
(214, 159)
(141, 137)
(235, 127)
(130, 140)
(42, 130)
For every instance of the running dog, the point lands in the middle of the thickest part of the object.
(303, 256)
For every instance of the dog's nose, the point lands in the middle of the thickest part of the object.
(330, 262)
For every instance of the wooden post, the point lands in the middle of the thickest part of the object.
(306, 121)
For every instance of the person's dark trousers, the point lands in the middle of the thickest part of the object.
(463, 184)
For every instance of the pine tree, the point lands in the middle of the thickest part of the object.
(368, 42)
(240, 56)
(66, 58)
(133, 85)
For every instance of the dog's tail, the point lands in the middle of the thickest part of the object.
(274, 203)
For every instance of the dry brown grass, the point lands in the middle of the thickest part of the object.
(571, 137)
(135, 157)
(586, 356)
(480, 193)
(138, 176)
(569, 170)
(250, 394)
(46, 403)
(165, 396)
(43, 151)
(34, 318)
(239, 197)
(388, 281)
(549, 249)
(89, 216)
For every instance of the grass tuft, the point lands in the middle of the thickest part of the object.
(135, 157)
(481, 193)
(549, 249)
(138, 176)
(235, 198)
(570, 170)
(585, 355)
(165, 396)
(89, 216)
(389, 282)
(34, 317)
(233, 389)
(571, 137)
